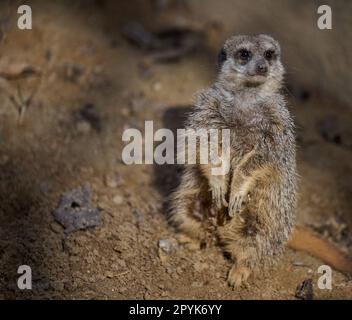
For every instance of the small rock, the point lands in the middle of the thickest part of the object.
(113, 180)
(76, 211)
(170, 270)
(157, 86)
(179, 270)
(118, 200)
(104, 202)
(168, 245)
(304, 290)
(55, 227)
(165, 294)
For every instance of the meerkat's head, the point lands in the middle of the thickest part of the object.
(251, 61)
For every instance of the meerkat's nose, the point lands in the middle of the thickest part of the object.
(262, 68)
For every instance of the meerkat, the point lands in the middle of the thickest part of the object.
(251, 209)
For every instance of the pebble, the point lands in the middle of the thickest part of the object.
(169, 270)
(113, 180)
(55, 227)
(157, 86)
(76, 210)
(165, 294)
(304, 290)
(168, 245)
(118, 200)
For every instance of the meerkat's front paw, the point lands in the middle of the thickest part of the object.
(238, 276)
(236, 203)
(218, 195)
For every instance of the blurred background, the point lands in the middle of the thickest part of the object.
(90, 69)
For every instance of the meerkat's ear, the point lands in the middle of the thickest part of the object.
(221, 57)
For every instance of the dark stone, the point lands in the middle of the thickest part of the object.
(304, 290)
(76, 211)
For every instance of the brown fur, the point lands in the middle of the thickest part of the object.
(303, 239)
(250, 210)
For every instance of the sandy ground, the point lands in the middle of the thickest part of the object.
(83, 60)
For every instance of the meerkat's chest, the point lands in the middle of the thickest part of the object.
(245, 123)
(252, 129)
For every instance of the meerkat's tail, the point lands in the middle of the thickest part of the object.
(304, 239)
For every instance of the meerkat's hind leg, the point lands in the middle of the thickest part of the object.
(189, 243)
(190, 232)
(240, 249)
(183, 215)
(238, 275)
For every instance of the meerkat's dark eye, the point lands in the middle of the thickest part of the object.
(269, 54)
(244, 55)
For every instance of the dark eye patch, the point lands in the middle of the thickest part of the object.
(269, 54)
(244, 55)
(222, 57)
